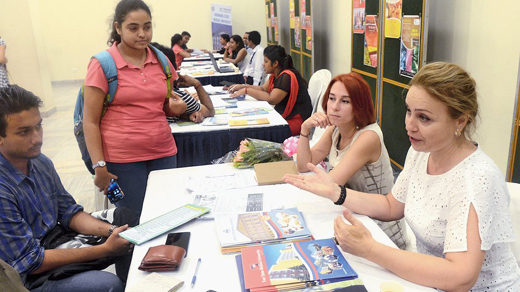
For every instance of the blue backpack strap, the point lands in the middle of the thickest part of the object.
(109, 67)
(166, 68)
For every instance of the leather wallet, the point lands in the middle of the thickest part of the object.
(162, 258)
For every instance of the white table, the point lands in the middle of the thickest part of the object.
(218, 272)
(203, 57)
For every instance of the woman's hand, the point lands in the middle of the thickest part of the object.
(196, 117)
(102, 179)
(316, 120)
(236, 87)
(354, 239)
(320, 184)
(185, 80)
(238, 93)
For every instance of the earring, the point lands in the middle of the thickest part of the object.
(458, 133)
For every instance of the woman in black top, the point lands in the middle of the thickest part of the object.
(286, 89)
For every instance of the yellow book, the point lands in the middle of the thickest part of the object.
(248, 122)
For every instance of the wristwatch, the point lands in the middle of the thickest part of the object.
(100, 163)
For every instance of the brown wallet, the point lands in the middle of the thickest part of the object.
(162, 258)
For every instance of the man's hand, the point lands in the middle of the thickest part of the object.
(116, 245)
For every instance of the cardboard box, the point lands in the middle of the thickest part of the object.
(272, 172)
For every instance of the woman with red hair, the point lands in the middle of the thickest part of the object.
(353, 143)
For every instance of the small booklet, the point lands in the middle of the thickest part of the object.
(215, 121)
(248, 112)
(156, 282)
(248, 122)
(236, 231)
(296, 265)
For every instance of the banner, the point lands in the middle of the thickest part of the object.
(220, 23)
(359, 16)
(393, 12)
(371, 36)
(410, 45)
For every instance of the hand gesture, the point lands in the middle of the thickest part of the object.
(353, 238)
(236, 87)
(316, 120)
(238, 93)
(102, 179)
(116, 245)
(320, 184)
(185, 80)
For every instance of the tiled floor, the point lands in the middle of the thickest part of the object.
(59, 144)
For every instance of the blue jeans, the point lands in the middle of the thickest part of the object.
(133, 177)
(90, 281)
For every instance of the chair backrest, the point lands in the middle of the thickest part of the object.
(317, 86)
(514, 207)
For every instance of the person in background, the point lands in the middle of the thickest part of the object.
(245, 38)
(353, 143)
(224, 42)
(255, 71)
(37, 214)
(133, 138)
(4, 79)
(286, 89)
(239, 53)
(180, 53)
(453, 196)
(185, 39)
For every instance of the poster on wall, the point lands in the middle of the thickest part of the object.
(297, 30)
(268, 22)
(220, 23)
(308, 29)
(393, 10)
(275, 25)
(370, 53)
(291, 14)
(410, 45)
(271, 28)
(359, 16)
(303, 12)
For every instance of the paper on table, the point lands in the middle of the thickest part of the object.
(196, 52)
(157, 282)
(235, 201)
(217, 101)
(221, 181)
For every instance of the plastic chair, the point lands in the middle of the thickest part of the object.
(317, 87)
(514, 208)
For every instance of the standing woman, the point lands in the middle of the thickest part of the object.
(180, 53)
(133, 137)
(354, 144)
(286, 89)
(4, 79)
(238, 53)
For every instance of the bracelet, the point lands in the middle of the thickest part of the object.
(198, 86)
(306, 136)
(111, 229)
(342, 196)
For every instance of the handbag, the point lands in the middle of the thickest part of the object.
(162, 258)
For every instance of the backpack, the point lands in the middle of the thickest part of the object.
(109, 68)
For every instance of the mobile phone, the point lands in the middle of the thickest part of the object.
(115, 193)
(226, 83)
(181, 239)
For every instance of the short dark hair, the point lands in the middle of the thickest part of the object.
(254, 37)
(13, 100)
(225, 37)
(122, 9)
(185, 33)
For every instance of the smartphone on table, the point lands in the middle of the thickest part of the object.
(181, 239)
(115, 193)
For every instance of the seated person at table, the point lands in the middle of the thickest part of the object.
(450, 192)
(37, 213)
(239, 53)
(354, 144)
(224, 42)
(286, 89)
(255, 72)
(185, 39)
(180, 53)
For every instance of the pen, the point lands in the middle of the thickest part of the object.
(195, 273)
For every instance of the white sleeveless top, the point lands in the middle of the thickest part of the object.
(376, 178)
(437, 209)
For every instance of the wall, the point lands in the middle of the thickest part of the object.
(484, 38)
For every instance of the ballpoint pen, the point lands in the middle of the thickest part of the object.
(195, 273)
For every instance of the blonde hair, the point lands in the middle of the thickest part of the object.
(452, 85)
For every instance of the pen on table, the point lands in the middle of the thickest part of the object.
(195, 273)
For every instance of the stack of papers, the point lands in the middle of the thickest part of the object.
(297, 265)
(236, 231)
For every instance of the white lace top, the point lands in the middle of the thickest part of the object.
(437, 208)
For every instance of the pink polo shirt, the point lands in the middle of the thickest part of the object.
(134, 127)
(178, 58)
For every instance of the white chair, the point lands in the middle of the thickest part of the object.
(514, 208)
(317, 87)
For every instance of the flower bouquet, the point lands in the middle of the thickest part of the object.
(254, 151)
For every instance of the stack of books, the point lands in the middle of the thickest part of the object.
(312, 265)
(236, 231)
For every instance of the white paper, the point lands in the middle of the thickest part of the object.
(196, 52)
(221, 181)
(156, 282)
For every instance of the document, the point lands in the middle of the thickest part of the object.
(157, 282)
(221, 181)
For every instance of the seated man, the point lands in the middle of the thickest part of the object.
(36, 211)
